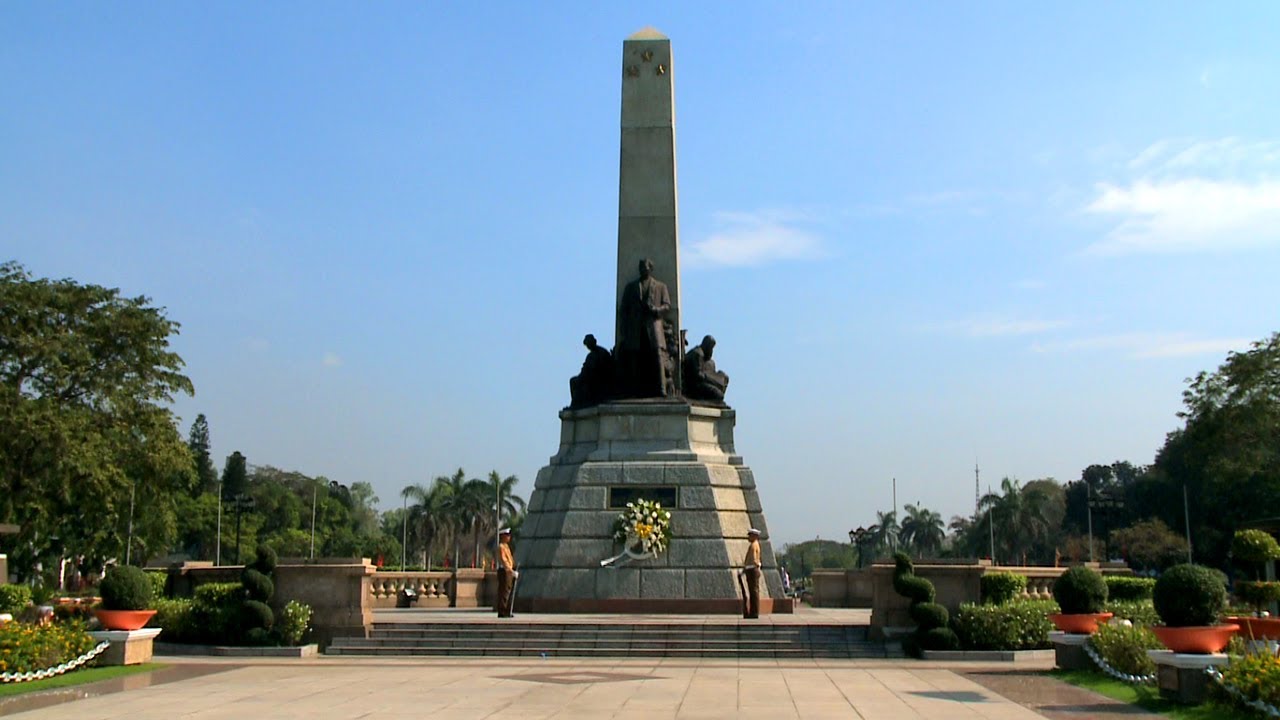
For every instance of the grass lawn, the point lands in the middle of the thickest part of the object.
(1148, 697)
(76, 677)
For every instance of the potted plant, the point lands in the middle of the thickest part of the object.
(126, 597)
(1253, 549)
(1189, 599)
(1080, 593)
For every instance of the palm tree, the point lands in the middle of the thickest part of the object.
(427, 521)
(886, 534)
(922, 531)
(1019, 516)
(503, 503)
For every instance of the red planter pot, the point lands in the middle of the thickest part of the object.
(1252, 628)
(123, 619)
(1200, 640)
(1083, 624)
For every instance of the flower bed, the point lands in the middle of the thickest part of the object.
(1253, 679)
(32, 648)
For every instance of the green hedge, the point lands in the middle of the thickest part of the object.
(215, 613)
(999, 588)
(14, 598)
(159, 584)
(1017, 625)
(1138, 612)
(1122, 587)
(1125, 648)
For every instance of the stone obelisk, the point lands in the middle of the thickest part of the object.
(647, 166)
(662, 448)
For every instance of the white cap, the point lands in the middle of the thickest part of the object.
(505, 531)
(753, 531)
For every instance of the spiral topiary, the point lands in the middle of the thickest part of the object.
(258, 586)
(931, 618)
(256, 617)
(1189, 596)
(1080, 591)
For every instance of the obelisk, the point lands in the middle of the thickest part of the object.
(647, 166)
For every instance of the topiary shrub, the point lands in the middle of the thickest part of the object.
(159, 584)
(14, 598)
(1123, 587)
(1254, 547)
(125, 587)
(1259, 594)
(999, 588)
(256, 614)
(265, 561)
(1080, 591)
(931, 618)
(215, 612)
(1189, 596)
(258, 586)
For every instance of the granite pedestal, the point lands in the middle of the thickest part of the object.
(128, 647)
(1068, 651)
(643, 449)
(1181, 676)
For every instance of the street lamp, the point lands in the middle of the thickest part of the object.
(857, 537)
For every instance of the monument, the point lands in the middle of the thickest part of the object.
(641, 434)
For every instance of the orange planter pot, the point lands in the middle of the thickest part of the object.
(1200, 640)
(1252, 628)
(1083, 624)
(123, 619)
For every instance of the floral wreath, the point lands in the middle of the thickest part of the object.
(643, 528)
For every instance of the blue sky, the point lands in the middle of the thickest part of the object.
(924, 234)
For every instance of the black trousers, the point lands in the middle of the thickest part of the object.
(753, 593)
(503, 602)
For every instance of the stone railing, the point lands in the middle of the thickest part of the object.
(434, 588)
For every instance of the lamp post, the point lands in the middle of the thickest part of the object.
(857, 538)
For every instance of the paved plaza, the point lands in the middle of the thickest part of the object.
(529, 689)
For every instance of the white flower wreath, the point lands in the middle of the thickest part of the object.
(643, 528)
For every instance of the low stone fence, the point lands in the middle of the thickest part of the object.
(433, 588)
(840, 588)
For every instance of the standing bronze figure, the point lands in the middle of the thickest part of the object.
(642, 354)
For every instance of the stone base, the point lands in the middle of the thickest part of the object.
(1068, 651)
(1181, 676)
(648, 449)
(128, 647)
(636, 606)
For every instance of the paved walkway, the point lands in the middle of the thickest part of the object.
(522, 689)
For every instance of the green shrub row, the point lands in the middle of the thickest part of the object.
(1017, 625)
(1123, 587)
(14, 598)
(999, 588)
(1138, 612)
(220, 614)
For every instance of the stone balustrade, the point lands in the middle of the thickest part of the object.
(434, 588)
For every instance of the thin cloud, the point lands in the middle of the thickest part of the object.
(331, 360)
(747, 239)
(986, 327)
(1143, 345)
(1191, 196)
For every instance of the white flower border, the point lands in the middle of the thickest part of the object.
(1121, 676)
(55, 670)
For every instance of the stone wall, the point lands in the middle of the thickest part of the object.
(840, 588)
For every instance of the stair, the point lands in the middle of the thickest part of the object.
(514, 638)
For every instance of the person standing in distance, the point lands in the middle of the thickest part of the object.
(506, 574)
(751, 568)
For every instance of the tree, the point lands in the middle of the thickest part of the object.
(235, 476)
(1150, 545)
(922, 531)
(885, 538)
(198, 444)
(86, 378)
(1022, 517)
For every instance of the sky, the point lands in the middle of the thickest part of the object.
(925, 235)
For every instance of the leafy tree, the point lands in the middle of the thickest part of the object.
(1022, 518)
(198, 444)
(922, 531)
(235, 476)
(885, 538)
(86, 378)
(1150, 545)
(801, 559)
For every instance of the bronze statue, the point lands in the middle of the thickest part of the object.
(642, 353)
(701, 379)
(594, 384)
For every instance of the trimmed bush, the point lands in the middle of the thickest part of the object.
(174, 617)
(258, 586)
(929, 615)
(125, 587)
(257, 615)
(265, 562)
(1122, 587)
(939, 638)
(14, 598)
(1254, 547)
(1189, 596)
(999, 588)
(257, 636)
(159, 584)
(293, 623)
(1125, 648)
(215, 613)
(1138, 612)
(1017, 625)
(1259, 594)
(1079, 591)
